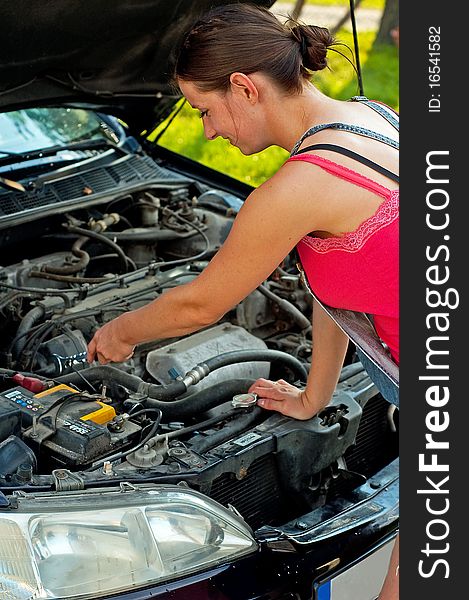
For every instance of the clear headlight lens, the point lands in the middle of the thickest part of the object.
(90, 545)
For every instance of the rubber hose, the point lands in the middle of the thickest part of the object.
(198, 402)
(104, 240)
(29, 320)
(201, 401)
(67, 278)
(228, 431)
(287, 306)
(176, 433)
(238, 356)
(177, 388)
(148, 234)
(11, 372)
(131, 382)
(80, 265)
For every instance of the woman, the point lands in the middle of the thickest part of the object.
(248, 75)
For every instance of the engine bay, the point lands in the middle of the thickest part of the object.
(178, 411)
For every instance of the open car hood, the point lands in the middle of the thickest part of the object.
(112, 56)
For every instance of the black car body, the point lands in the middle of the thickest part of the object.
(157, 477)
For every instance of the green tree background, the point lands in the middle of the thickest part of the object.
(379, 59)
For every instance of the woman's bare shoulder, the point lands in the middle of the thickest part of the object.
(300, 189)
(296, 185)
(306, 192)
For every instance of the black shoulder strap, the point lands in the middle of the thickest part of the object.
(345, 127)
(354, 155)
(385, 111)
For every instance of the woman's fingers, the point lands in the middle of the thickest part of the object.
(116, 356)
(282, 397)
(129, 356)
(102, 359)
(106, 346)
(262, 385)
(259, 382)
(274, 390)
(270, 404)
(268, 392)
(91, 352)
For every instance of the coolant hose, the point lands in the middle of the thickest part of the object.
(131, 382)
(147, 234)
(124, 259)
(29, 320)
(176, 388)
(201, 401)
(239, 356)
(76, 267)
(241, 423)
(288, 307)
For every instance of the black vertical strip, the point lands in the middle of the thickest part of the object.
(357, 49)
(434, 330)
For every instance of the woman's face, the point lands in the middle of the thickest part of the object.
(224, 115)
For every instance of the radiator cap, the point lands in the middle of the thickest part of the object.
(244, 400)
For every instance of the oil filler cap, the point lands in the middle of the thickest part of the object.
(244, 400)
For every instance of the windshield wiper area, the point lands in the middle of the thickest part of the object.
(11, 185)
(12, 158)
(9, 153)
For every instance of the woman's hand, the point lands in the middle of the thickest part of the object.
(284, 398)
(109, 343)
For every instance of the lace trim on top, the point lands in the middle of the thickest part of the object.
(386, 213)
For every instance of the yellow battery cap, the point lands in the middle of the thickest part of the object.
(101, 416)
(57, 388)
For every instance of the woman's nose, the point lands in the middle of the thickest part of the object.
(209, 131)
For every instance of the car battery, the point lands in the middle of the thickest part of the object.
(68, 400)
(17, 407)
(76, 431)
(10, 420)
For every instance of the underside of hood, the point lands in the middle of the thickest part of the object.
(116, 56)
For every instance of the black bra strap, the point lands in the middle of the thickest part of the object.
(345, 127)
(354, 155)
(380, 109)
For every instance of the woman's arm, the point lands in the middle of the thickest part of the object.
(270, 223)
(329, 348)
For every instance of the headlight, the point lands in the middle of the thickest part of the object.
(95, 543)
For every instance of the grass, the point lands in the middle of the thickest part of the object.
(380, 70)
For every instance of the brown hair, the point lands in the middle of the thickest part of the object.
(247, 38)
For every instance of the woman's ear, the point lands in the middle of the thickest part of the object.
(243, 85)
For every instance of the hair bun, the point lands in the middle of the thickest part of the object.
(248, 38)
(298, 34)
(314, 42)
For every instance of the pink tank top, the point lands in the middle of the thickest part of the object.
(360, 270)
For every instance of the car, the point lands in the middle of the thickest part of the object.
(158, 477)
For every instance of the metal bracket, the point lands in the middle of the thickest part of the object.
(66, 481)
